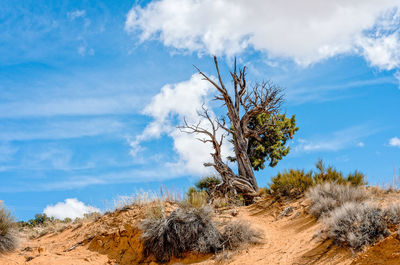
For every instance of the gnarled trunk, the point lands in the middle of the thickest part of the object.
(259, 100)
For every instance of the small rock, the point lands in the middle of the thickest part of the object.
(286, 212)
(41, 249)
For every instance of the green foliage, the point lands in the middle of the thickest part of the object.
(356, 179)
(329, 174)
(271, 145)
(292, 182)
(208, 183)
(296, 182)
(41, 219)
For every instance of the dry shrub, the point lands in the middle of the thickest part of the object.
(192, 229)
(356, 225)
(8, 238)
(392, 214)
(184, 230)
(327, 196)
(236, 234)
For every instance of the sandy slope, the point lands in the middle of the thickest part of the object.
(288, 240)
(115, 239)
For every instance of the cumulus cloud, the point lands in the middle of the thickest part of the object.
(305, 31)
(71, 208)
(168, 109)
(395, 141)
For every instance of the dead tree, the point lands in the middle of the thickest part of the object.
(243, 105)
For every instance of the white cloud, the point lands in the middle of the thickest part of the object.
(168, 109)
(383, 52)
(71, 208)
(305, 31)
(395, 141)
(76, 14)
(336, 141)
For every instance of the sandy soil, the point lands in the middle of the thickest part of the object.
(115, 239)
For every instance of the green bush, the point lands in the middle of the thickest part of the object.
(329, 174)
(41, 219)
(208, 183)
(296, 182)
(356, 179)
(292, 182)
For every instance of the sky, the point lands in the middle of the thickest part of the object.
(91, 92)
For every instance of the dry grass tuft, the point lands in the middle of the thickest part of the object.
(327, 196)
(236, 234)
(197, 198)
(8, 234)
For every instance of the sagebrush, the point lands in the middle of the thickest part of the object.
(356, 225)
(327, 196)
(191, 229)
(183, 230)
(8, 234)
(237, 233)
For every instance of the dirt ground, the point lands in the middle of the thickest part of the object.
(288, 239)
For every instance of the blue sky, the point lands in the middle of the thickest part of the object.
(91, 91)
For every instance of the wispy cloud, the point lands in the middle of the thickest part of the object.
(121, 104)
(6, 151)
(342, 139)
(14, 130)
(76, 14)
(134, 175)
(325, 93)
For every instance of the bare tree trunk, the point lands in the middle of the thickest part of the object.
(245, 169)
(262, 99)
